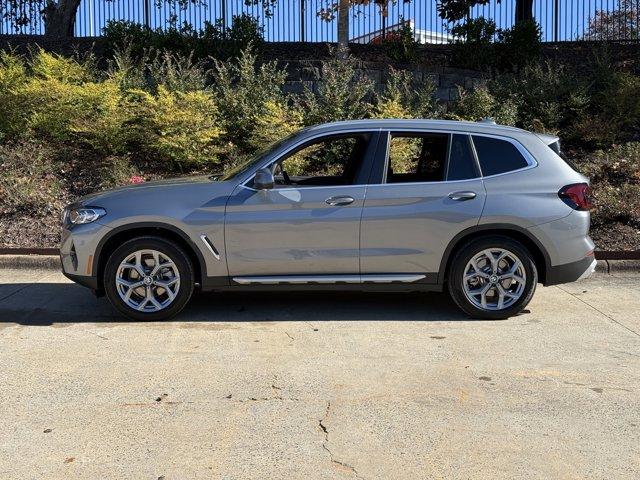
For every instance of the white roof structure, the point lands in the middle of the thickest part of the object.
(420, 35)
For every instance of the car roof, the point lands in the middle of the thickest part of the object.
(485, 126)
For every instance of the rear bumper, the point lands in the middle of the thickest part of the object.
(570, 272)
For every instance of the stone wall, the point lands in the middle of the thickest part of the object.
(301, 75)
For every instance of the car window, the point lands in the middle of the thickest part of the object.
(497, 156)
(417, 158)
(326, 162)
(462, 164)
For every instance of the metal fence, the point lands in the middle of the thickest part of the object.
(307, 20)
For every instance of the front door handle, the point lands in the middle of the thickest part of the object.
(462, 196)
(339, 201)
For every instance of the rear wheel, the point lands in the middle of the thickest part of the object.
(149, 278)
(492, 277)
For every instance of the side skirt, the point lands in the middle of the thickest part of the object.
(379, 283)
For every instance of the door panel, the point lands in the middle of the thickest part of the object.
(290, 231)
(407, 227)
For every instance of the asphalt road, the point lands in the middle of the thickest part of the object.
(319, 386)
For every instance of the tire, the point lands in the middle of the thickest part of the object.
(171, 286)
(516, 292)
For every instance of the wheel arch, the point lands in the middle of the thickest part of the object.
(119, 235)
(540, 255)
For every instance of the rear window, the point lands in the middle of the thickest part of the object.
(555, 146)
(497, 156)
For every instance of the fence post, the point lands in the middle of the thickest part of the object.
(302, 12)
(556, 20)
(223, 12)
(147, 14)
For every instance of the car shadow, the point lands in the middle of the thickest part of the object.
(51, 303)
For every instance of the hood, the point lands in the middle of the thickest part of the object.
(139, 187)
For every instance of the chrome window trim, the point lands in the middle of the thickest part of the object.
(450, 133)
(531, 161)
(310, 138)
(529, 158)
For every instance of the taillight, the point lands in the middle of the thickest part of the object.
(577, 196)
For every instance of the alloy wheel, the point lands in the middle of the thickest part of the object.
(494, 279)
(147, 280)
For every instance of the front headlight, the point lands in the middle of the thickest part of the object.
(81, 215)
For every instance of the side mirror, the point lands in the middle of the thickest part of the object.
(263, 180)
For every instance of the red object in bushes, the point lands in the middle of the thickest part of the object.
(136, 179)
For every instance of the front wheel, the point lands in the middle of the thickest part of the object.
(492, 278)
(148, 278)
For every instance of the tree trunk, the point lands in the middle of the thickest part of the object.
(343, 23)
(60, 18)
(524, 10)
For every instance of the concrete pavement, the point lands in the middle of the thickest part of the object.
(319, 386)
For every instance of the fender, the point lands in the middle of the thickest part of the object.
(149, 225)
(497, 228)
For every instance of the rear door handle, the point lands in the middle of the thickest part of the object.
(339, 201)
(462, 196)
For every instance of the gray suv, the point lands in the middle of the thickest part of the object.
(481, 210)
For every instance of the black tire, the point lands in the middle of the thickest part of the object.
(166, 247)
(463, 256)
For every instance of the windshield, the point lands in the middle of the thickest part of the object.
(249, 164)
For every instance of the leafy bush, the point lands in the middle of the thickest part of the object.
(520, 45)
(480, 103)
(399, 45)
(549, 96)
(472, 44)
(342, 93)
(180, 127)
(402, 98)
(215, 39)
(248, 94)
(481, 45)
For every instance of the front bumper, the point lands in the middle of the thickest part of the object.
(77, 253)
(570, 272)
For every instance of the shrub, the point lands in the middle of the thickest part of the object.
(402, 98)
(342, 94)
(246, 92)
(399, 45)
(215, 39)
(13, 76)
(480, 103)
(276, 121)
(472, 44)
(549, 96)
(181, 127)
(520, 45)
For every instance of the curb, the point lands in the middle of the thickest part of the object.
(52, 262)
(26, 262)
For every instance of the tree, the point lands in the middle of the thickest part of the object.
(454, 10)
(340, 8)
(622, 23)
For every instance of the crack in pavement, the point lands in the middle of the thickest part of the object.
(340, 464)
(599, 311)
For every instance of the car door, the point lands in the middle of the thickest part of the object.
(309, 223)
(426, 191)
